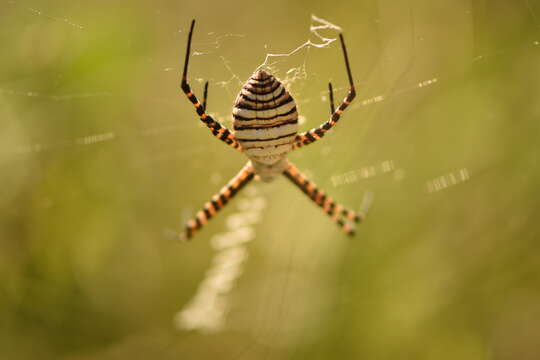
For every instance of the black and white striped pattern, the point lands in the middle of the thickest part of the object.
(265, 119)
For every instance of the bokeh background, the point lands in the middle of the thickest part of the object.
(100, 154)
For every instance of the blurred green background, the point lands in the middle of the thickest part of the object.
(100, 153)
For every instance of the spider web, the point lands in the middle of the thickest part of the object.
(262, 280)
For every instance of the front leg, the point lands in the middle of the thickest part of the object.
(315, 134)
(217, 129)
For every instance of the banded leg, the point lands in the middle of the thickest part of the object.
(336, 212)
(217, 129)
(315, 134)
(218, 202)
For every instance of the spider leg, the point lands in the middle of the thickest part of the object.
(336, 212)
(331, 97)
(205, 96)
(316, 133)
(217, 129)
(218, 202)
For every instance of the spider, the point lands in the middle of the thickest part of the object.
(266, 129)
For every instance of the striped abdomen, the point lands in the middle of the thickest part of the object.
(265, 119)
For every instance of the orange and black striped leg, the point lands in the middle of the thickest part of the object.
(218, 201)
(217, 129)
(315, 134)
(337, 213)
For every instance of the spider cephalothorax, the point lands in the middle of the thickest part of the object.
(266, 129)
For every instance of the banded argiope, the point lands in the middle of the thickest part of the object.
(266, 129)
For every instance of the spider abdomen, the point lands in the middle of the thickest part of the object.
(265, 119)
